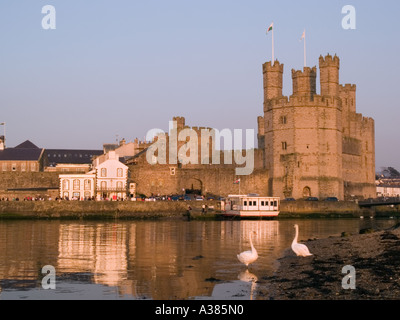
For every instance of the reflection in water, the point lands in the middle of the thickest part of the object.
(148, 259)
(247, 276)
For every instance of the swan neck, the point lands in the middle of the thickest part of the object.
(251, 243)
(297, 235)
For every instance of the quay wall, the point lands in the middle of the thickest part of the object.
(100, 209)
(321, 209)
(163, 209)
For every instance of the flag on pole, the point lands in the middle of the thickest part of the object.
(270, 27)
(237, 181)
(303, 37)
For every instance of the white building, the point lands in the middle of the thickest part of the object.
(389, 191)
(77, 186)
(107, 181)
(111, 178)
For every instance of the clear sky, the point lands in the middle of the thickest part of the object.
(118, 68)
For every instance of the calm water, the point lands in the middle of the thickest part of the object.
(149, 259)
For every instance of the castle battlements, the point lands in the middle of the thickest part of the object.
(277, 67)
(329, 61)
(306, 72)
(347, 87)
(303, 101)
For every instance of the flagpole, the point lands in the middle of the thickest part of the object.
(273, 60)
(305, 57)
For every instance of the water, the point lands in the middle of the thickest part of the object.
(149, 259)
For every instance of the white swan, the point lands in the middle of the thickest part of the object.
(298, 248)
(248, 257)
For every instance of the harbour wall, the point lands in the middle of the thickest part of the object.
(101, 209)
(170, 209)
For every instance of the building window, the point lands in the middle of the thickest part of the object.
(65, 184)
(76, 184)
(66, 194)
(77, 195)
(172, 171)
(119, 172)
(88, 184)
(23, 166)
(33, 166)
(103, 172)
(4, 166)
(14, 167)
(103, 185)
(284, 145)
(283, 120)
(119, 185)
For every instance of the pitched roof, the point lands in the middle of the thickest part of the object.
(26, 145)
(71, 156)
(26, 151)
(22, 154)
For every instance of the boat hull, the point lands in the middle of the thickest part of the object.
(250, 214)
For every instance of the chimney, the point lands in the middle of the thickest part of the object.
(2, 143)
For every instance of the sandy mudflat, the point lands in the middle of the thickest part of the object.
(375, 257)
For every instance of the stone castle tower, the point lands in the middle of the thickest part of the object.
(315, 144)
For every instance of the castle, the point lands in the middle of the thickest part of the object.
(315, 144)
(309, 144)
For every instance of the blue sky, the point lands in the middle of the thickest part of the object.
(124, 67)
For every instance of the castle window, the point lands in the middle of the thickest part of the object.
(172, 171)
(284, 145)
(283, 120)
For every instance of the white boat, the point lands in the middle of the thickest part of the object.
(250, 206)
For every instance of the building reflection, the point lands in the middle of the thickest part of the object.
(147, 259)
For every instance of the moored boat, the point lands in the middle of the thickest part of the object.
(250, 206)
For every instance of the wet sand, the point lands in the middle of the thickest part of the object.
(375, 255)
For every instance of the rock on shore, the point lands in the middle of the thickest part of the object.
(375, 257)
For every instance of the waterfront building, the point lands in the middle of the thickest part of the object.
(111, 178)
(25, 157)
(70, 160)
(77, 186)
(107, 181)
